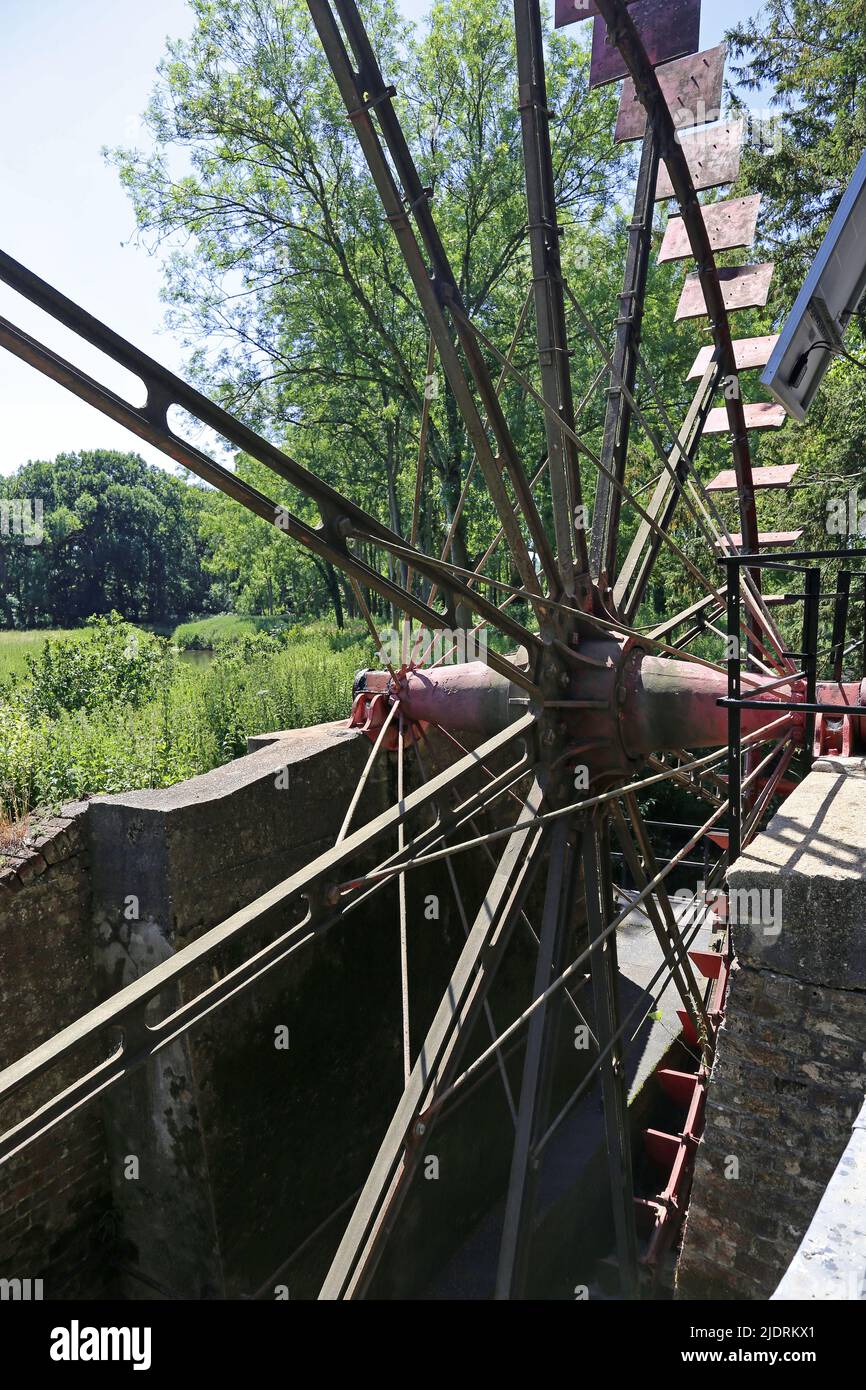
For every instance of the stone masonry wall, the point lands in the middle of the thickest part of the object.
(790, 1063)
(790, 1071)
(55, 1197)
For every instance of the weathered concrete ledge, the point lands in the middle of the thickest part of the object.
(167, 865)
(813, 854)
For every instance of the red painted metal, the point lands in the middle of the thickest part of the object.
(370, 708)
(767, 540)
(649, 1216)
(612, 714)
(679, 1085)
(833, 736)
(743, 287)
(692, 88)
(629, 704)
(669, 704)
(760, 415)
(662, 1148)
(839, 735)
(748, 353)
(690, 1032)
(718, 906)
(571, 11)
(780, 475)
(660, 1217)
(713, 157)
(668, 29)
(709, 963)
(729, 224)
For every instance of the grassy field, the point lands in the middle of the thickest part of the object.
(58, 742)
(204, 634)
(15, 646)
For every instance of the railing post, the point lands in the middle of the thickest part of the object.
(735, 773)
(840, 621)
(811, 612)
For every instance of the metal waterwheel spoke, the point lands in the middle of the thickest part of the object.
(619, 21)
(491, 859)
(500, 534)
(404, 925)
(614, 1087)
(593, 686)
(536, 1082)
(364, 92)
(426, 857)
(614, 452)
(622, 1036)
(360, 1248)
(150, 424)
(464, 922)
(420, 465)
(681, 481)
(550, 326)
(660, 912)
(625, 492)
(473, 462)
(127, 1008)
(365, 775)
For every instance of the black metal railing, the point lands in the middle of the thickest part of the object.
(671, 832)
(807, 660)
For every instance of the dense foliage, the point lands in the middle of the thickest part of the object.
(286, 280)
(811, 59)
(116, 709)
(116, 533)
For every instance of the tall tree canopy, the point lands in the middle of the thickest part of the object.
(279, 259)
(812, 59)
(117, 533)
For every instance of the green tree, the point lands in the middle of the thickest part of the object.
(118, 534)
(282, 273)
(812, 57)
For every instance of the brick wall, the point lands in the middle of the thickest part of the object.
(790, 1072)
(791, 1059)
(55, 1204)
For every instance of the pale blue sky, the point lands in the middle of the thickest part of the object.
(74, 76)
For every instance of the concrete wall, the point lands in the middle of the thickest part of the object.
(223, 1124)
(790, 1073)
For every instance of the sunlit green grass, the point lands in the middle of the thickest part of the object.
(202, 634)
(201, 715)
(15, 646)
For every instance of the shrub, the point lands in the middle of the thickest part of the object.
(118, 664)
(122, 714)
